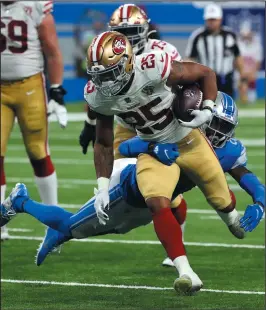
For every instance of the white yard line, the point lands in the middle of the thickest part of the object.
(17, 136)
(68, 181)
(134, 287)
(65, 148)
(79, 162)
(20, 230)
(80, 116)
(151, 242)
(58, 161)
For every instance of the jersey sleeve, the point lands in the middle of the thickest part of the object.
(156, 66)
(158, 45)
(89, 95)
(43, 8)
(242, 159)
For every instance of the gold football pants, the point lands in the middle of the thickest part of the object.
(198, 160)
(27, 101)
(121, 134)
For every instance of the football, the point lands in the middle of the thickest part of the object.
(187, 99)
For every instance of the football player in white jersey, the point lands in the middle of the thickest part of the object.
(133, 22)
(140, 90)
(28, 32)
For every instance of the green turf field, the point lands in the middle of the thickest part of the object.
(125, 272)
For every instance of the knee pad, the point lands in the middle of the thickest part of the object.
(42, 167)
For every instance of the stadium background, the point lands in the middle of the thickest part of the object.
(124, 271)
(175, 22)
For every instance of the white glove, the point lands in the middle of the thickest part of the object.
(101, 204)
(200, 118)
(60, 112)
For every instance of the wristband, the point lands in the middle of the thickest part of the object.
(103, 183)
(90, 121)
(208, 103)
(55, 85)
(208, 108)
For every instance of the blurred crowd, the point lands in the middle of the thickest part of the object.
(239, 71)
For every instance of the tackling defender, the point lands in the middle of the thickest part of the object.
(231, 154)
(127, 207)
(28, 32)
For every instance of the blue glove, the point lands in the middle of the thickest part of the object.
(166, 153)
(252, 217)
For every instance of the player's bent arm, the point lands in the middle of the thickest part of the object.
(166, 153)
(50, 46)
(250, 183)
(187, 72)
(103, 149)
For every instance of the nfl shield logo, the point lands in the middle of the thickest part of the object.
(148, 90)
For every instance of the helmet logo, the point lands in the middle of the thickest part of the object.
(119, 45)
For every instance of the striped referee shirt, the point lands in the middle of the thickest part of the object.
(217, 51)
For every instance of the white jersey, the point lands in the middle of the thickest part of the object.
(251, 51)
(21, 52)
(150, 46)
(147, 105)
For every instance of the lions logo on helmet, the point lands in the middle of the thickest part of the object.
(224, 120)
(110, 62)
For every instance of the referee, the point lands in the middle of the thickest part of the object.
(216, 46)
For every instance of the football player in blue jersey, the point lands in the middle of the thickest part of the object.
(231, 154)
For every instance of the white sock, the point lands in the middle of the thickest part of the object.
(228, 218)
(47, 188)
(3, 192)
(182, 265)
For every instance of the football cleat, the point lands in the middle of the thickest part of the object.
(236, 230)
(167, 262)
(7, 208)
(52, 240)
(187, 285)
(4, 233)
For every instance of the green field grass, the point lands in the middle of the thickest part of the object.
(83, 268)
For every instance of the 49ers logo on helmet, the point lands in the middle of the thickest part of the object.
(119, 45)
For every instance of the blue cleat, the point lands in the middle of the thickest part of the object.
(7, 207)
(52, 240)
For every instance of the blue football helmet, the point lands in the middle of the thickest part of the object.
(224, 120)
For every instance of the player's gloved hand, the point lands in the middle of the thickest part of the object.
(101, 204)
(57, 105)
(87, 135)
(166, 153)
(252, 217)
(200, 118)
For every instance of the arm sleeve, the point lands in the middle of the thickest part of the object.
(242, 159)
(173, 52)
(43, 8)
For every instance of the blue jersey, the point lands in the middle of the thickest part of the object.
(231, 155)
